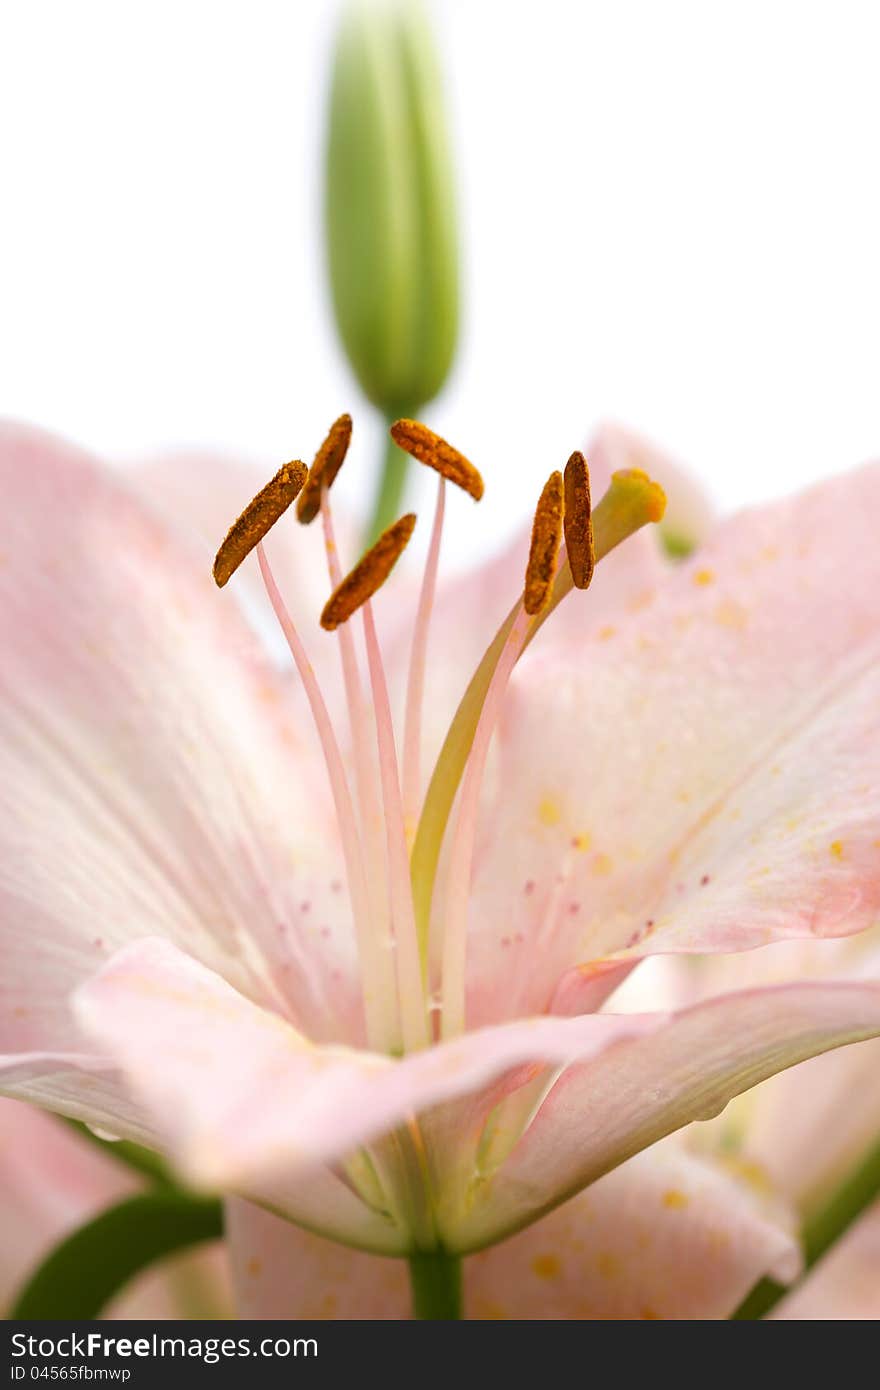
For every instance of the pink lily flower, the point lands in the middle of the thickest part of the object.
(389, 1035)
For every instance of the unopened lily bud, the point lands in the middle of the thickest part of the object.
(390, 218)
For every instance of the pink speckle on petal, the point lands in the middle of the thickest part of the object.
(529, 887)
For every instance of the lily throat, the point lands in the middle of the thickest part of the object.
(412, 953)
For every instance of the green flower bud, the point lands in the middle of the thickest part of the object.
(390, 218)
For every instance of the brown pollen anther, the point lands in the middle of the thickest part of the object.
(328, 461)
(578, 522)
(546, 536)
(369, 574)
(426, 446)
(258, 517)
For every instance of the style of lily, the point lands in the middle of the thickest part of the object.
(375, 1014)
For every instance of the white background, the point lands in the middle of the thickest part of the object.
(670, 214)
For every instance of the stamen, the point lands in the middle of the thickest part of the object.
(361, 735)
(578, 521)
(546, 536)
(369, 574)
(328, 461)
(378, 985)
(410, 991)
(415, 688)
(270, 503)
(426, 446)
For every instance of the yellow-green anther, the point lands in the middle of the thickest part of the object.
(390, 218)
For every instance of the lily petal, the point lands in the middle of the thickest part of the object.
(665, 1236)
(51, 1181)
(844, 1286)
(808, 1126)
(602, 1111)
(707, 778)
(145, 749)
(238, 1095)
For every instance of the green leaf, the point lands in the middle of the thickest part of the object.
(85, 1271)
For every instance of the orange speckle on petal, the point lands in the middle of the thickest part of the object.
(607, 1264)
(704, 577)
(837, 849)
(674, 1199)
(605, 632)
(254, 1267)
(546, 1266)
(731, 614)
(549, 811)
(648, 1315)
(580, 842)
(602, 865)
(489, 1311)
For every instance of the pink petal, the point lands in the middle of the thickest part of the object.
(50, 1183)
(708, 777)
(603, 1110)
(242, 1099)
(281, 1271)
(845, 1285)
(150, 780)
(665, 1236)
(806, 1127)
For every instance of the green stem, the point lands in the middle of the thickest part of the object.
(435, 1278)
(392, 481)
(85, 1271)
(821, 1229)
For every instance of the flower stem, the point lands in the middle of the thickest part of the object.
(821, 1229)
(435, 1278)
(389, 494)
